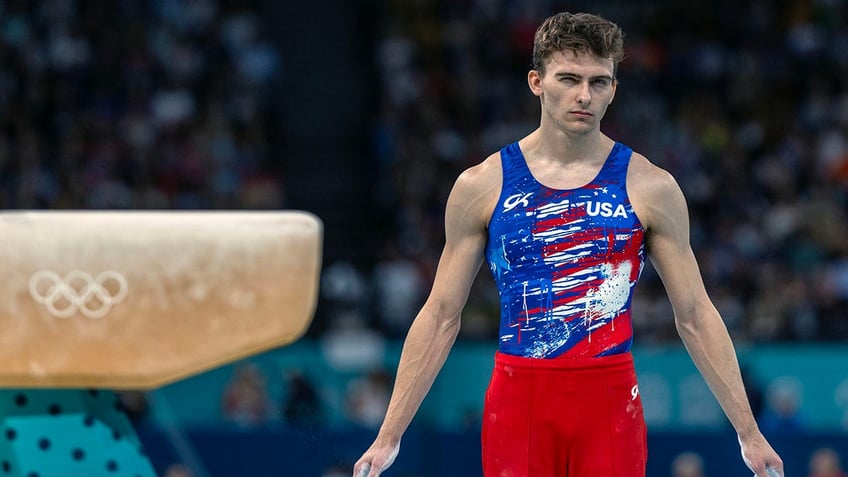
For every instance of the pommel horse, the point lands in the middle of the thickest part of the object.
(95, 302)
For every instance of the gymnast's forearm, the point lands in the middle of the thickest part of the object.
(707, 340)
(425, 350)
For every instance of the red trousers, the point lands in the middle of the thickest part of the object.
(569, 417)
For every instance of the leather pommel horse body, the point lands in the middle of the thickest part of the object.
(136, 300)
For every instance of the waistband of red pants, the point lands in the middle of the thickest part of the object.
(613, 360)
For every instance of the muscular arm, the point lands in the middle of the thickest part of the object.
(698, 322)
(435, 328)
(701, 328)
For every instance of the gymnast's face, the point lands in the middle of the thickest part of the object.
(575, 90)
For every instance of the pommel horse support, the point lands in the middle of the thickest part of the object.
(98, 301)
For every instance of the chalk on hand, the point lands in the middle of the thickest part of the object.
(363, 471)
(772, 472)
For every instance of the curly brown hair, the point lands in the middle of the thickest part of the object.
(579, 33)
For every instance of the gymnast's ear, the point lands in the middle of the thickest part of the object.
(534, 81)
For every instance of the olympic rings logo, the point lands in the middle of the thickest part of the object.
(78, 292)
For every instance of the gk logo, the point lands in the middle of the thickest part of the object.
(513, 201)
(77, 291)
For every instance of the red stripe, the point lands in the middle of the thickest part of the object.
(603, 338)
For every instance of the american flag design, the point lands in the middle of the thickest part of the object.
(565, 261)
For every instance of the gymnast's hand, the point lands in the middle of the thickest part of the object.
(376, 459)
(760, 457)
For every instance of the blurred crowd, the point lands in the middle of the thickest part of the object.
(744, 102)
(824, 462)
(136, 105)
(171, 105)
(253, 397)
